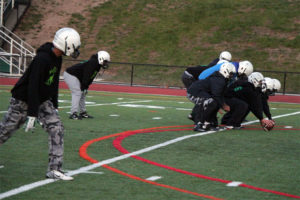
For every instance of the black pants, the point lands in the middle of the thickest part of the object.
(206, 108)
(238, 112)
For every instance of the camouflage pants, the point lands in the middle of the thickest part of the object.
(48, 116)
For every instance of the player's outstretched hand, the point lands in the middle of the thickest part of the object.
(267, 125)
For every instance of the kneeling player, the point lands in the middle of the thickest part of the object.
(242, 97)
(208, 97)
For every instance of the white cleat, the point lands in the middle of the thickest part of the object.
(54, 174)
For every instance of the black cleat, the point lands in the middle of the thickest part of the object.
(75, 116)
(202, 127)
(85, 115)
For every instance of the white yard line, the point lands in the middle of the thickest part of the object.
(31, 186)
(153, 178)
(108, 104)
(103, 104)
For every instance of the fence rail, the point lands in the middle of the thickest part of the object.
(158, 75)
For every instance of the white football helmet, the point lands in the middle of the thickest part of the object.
(267, 84)
(103, 58)
(245, 67)
(276, 85)
(68, 41)
(225, 55)
(227, 70)
(256, 79)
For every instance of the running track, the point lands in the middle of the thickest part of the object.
(149, 90)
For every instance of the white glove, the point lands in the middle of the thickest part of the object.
(85, 92)
(30, 123)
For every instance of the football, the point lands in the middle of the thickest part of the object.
(268, 126)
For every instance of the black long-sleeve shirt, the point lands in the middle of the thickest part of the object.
(86, 71)
(265, 105)
(195, 71)
(40, 81)
(213, 86)
(246, 91)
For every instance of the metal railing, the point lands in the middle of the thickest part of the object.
(4, 4)
(19, 52)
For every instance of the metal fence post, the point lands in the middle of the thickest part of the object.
(131, 78)
(284, 82)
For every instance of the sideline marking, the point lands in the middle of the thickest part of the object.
(234, 184)
(142, 106)
(92, 172)
(155, 118)
(117, 103)
(153, 178)
(31, 186)
(1, 166)
(103, 104)
(114, 115)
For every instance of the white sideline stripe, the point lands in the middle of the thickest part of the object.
(31, 186)
(1, 166)
(153, 178)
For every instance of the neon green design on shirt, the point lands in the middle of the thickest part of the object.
(51, 76)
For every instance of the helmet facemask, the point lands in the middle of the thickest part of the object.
(68, 41)
(103, 59)
(227, 70)
(256, 79)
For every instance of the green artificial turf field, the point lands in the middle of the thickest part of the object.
(171, 162)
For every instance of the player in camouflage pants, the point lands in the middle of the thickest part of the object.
(47, 115)
(35, 97)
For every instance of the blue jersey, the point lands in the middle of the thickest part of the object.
(206, 73)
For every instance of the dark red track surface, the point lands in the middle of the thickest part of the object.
(149, 90)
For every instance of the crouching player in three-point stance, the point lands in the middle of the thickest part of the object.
(207, 94)
(35, 96)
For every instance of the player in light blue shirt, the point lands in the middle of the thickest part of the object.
(215, 68)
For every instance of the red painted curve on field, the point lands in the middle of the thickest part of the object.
(149, 90)
(118, 141)
(83, 154)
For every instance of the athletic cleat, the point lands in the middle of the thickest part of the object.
(234, 127)
(202, 127)
(216, 128)
(54, 174)
(199, 128)
(75, 116)
(85, 115)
